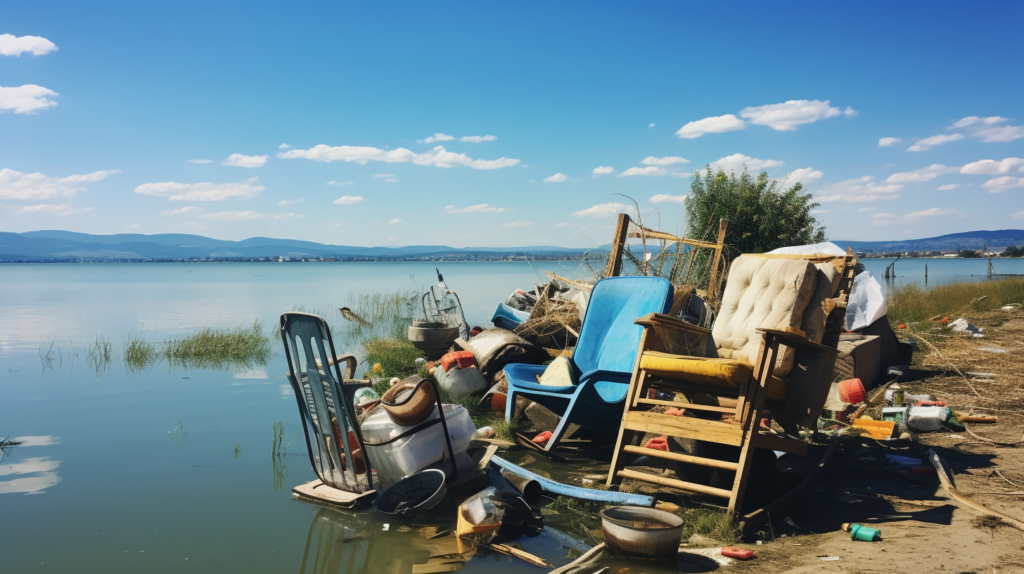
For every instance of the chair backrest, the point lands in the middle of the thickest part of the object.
(762, 293)
(609, 338)
(327, 417)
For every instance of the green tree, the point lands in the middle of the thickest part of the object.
(762, 214)
(970, 253)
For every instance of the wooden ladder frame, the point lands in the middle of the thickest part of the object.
(744, 430)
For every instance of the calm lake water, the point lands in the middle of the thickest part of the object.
(170, 470)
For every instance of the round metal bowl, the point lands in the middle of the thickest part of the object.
(642, 532)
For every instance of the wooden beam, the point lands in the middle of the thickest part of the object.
(618, 244)
(673, 483)
(685, 427)
(661, 235)
(694, 406)
(679, 457)
(713, 284)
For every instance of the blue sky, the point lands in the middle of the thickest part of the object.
(545, 112)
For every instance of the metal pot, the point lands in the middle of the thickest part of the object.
(642, 532)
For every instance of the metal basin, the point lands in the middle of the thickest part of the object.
(642, 532)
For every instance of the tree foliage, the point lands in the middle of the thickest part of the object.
(1012, 251)
(762, 214)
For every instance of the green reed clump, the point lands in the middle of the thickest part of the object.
(99, 353)
(220, 347)
(506, 429)
(396, 357)
(911, 304)
(378, 316)
(710, 522)
(139, 353)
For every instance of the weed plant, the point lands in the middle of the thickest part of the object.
(396, 357)
(913, 305)
(220, 348)
(139, 353)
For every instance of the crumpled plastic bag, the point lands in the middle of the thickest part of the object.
(866, 304)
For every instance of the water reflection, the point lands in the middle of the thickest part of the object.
(349, 543)
(41, 469)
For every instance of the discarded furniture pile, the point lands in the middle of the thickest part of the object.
(690, 392)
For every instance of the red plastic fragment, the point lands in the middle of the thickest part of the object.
(741, 553)
(542, 437)
(658, 443)
(463, 358)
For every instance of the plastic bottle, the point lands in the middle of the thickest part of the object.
(862, 533)
(897, 395)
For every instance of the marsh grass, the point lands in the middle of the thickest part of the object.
(396, 357)
(99, 354)
(710, 522)
(506, 429)
(139, 353)
(914, 305)
(378, 316)
(220, 348)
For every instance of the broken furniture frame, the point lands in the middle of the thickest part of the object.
(622, 234)
(744, 430)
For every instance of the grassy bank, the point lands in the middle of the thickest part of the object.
(914, 305)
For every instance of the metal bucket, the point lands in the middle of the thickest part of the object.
(642, 532)
(415, 493)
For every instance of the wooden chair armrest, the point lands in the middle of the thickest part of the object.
(669, 322)
(794, 340)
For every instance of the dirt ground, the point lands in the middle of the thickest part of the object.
(922, 529)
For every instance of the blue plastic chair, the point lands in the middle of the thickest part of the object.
(603, 361)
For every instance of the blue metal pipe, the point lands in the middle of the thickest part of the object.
(577, 491)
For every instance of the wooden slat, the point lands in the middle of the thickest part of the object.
(679, 457)
(685, 427)
(661, 235)
(693, 406)
(671, 482)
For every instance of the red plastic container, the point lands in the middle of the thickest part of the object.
(463, 358)
(542, 437)
(741, 553)
(851, 391)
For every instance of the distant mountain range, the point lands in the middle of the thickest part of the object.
(70, 246)
(996, 241)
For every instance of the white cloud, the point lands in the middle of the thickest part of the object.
(651, 125)
(924, 174)
(887, 142)
(481, 208)
(988, 166)
(568, 224)
(16, 46)
(947, 187)
(555, 178)
(602, 170)
(205, 191)
(349, 200)
(363, 154)
(236, 215)
(849, 112)
(288, 216)
(332, 182)
(438, 137)
(649, 170)
(603, 209)
(59, 209)
(200, 161)
(239, 160)
(712, 125)
(27, 99)
(668, 160)
(26, 186)
(737, 161)
(872, 208)
(1001, 184)
(284, 146)
(889, 218)
(383, 175)
(1018, 215)
(290, 201)
(395, 221)
(181, 210)
(933, 141)
(517, 224)
(477, 139)
(665, 198)
(859, 190)
(989, 130)
(803, 175)
(787, 116)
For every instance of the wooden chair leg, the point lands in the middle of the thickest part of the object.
(750, 422)
(625, 436)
